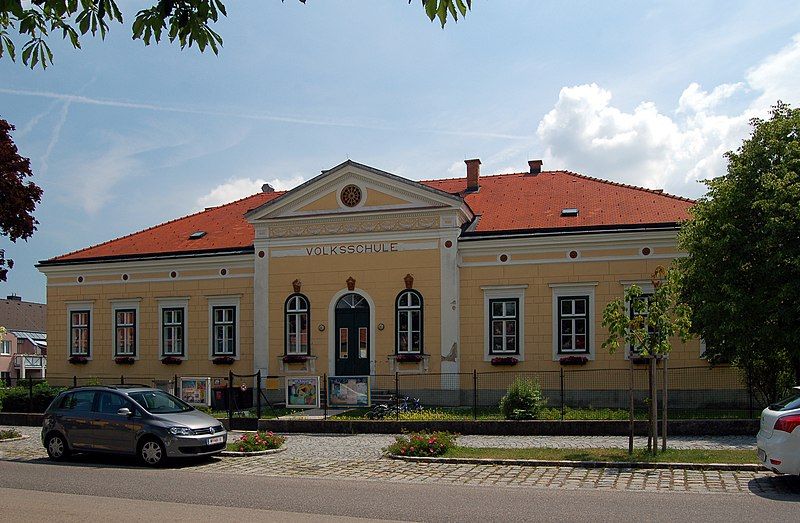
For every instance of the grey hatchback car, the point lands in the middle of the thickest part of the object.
(124, 419)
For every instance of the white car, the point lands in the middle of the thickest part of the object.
(779, 437)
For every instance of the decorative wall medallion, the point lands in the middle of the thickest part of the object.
(296, 284)
(351, 195)
(504, 258)
(573, 254)
(409, 281)
(173, 274)
(261, 254)
(321, 327)
(351, 283)
(223, 272)
(80, 279)
(124, 277)
(646, 251)
(381, 326)
(448, 244)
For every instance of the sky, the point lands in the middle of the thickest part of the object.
(122, 136)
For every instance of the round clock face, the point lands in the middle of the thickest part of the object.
(351, 195)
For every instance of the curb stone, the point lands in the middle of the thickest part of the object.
(585, 464)
(235, 454)
(9, 440)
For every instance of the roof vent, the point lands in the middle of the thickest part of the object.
(570, 211)
(535, 167)
(197, 235)
(267, 188)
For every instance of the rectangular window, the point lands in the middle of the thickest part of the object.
(634, 349)
(79, 333)
(172, 333)
(125, 329)
(344, 336)
(504, 326)
(573, 324)
(224, 328)
(5, 348)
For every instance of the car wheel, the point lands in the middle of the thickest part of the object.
(152, 453)
(57, 448)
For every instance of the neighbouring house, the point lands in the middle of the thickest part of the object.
(23, 349)
(362, 272)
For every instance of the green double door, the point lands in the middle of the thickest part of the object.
(352, 336)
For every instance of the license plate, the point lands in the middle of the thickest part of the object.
(214, 441)
(762, 455)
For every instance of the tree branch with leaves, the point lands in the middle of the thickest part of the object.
(186, 21)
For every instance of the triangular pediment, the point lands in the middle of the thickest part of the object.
(353, 188)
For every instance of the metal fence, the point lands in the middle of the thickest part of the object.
(693, 392)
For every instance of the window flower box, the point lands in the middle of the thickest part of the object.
(408, 358)
(295, 358)
(124, 360)
(223, 360)
(573, 360)
(171, 360)
(78, 360)
(504, 361)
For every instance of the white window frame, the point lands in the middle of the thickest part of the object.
(119, 305)
(647, 289)
(564, 290)
(409, 310)
(501, 292)
(296, 313)
(224, 301)
(173, 303)
(5, 348)
(79, 306)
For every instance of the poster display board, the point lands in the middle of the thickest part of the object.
(196, 391)
(348, 391)
(302, 392)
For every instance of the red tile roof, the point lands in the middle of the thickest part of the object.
(506, 202)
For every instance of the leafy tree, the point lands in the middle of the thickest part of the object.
(187, 21)
(650, 325)
(742, 275)
(18, 198)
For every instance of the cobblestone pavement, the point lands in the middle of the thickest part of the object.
(359, 457)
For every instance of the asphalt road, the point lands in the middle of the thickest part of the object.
(41, 491)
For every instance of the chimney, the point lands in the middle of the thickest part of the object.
(14, 297)
(473, 172)
(535, 167)
(267, 188)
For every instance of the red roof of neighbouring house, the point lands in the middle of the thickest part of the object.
(506, 202)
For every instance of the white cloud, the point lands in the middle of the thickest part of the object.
(237, 188)
(585, 132)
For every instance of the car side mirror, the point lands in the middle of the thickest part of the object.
(124, 411)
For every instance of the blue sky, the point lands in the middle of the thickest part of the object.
(123, 136)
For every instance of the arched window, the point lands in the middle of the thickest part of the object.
(409, 322)
(297, 320)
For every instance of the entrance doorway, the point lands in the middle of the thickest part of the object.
(351, 337)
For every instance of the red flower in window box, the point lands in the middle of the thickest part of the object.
(573, 360)
(171, 360)
(505, 360)
(295, 358)
(408, 358)
(223, 360)
(78, 360)
(124, 360)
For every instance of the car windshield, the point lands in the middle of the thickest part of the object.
(158, 402)
(792, 401)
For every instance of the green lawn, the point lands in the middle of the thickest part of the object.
(617, 455)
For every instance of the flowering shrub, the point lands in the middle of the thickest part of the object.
(505, 360)
(573, 360)
(295, 358)
(171, 360)
(408, 358)
(78, 360)
(124, 360)
(223, 360)
(422, 444)
(257, 441)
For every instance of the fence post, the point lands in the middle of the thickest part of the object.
(474, 394)
(749, 396)
(562, 393)
(397, 395)
(74, 381)
(230, 399)
(630, 407)
(325, 399)
(122, 379)
(175, 386)
(664, 409)
(30, 394)
(258, 395)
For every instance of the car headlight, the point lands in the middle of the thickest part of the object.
(180, 431)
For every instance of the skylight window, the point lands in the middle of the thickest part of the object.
(197, 235)
(570, 211)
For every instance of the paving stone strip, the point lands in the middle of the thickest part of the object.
(360, 457)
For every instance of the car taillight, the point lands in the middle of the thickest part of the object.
(788, 423)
